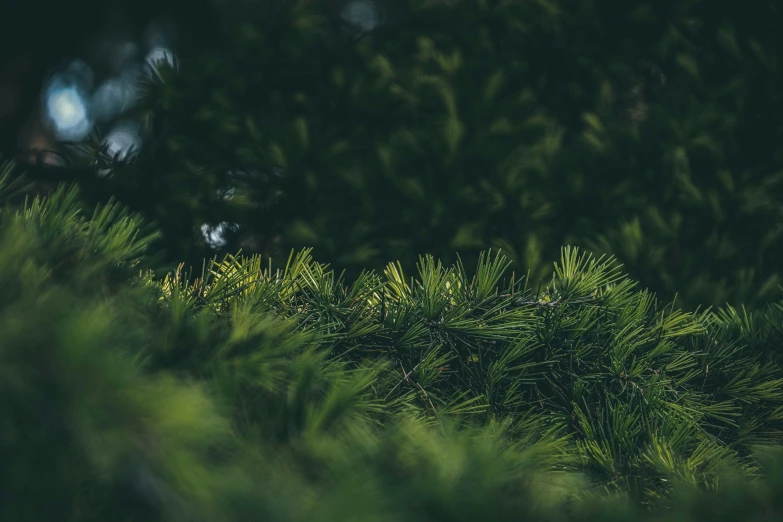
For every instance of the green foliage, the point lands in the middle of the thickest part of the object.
(289, 394)
(644, 392)
(645, 130)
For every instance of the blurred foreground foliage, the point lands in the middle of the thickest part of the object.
(255, 392)
(649, 131)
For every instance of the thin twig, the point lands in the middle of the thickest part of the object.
(407, 378)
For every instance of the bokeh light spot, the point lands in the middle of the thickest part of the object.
(67, 108)
(67, 112)
(361, 13)
(160, 53)
(214, 235)
(122, 139)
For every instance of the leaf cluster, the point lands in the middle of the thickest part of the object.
(646, 131)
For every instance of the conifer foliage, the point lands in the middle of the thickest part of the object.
(255, 392)
(645, 130)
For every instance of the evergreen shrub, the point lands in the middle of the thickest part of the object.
(285, 394)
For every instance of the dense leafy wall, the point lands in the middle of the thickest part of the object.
(646, 130)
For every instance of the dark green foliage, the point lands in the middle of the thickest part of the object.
(645, 130)
(290, 394)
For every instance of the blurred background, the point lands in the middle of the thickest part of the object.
(380, 131)
(67, 66)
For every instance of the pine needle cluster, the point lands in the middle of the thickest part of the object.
(254, 392)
